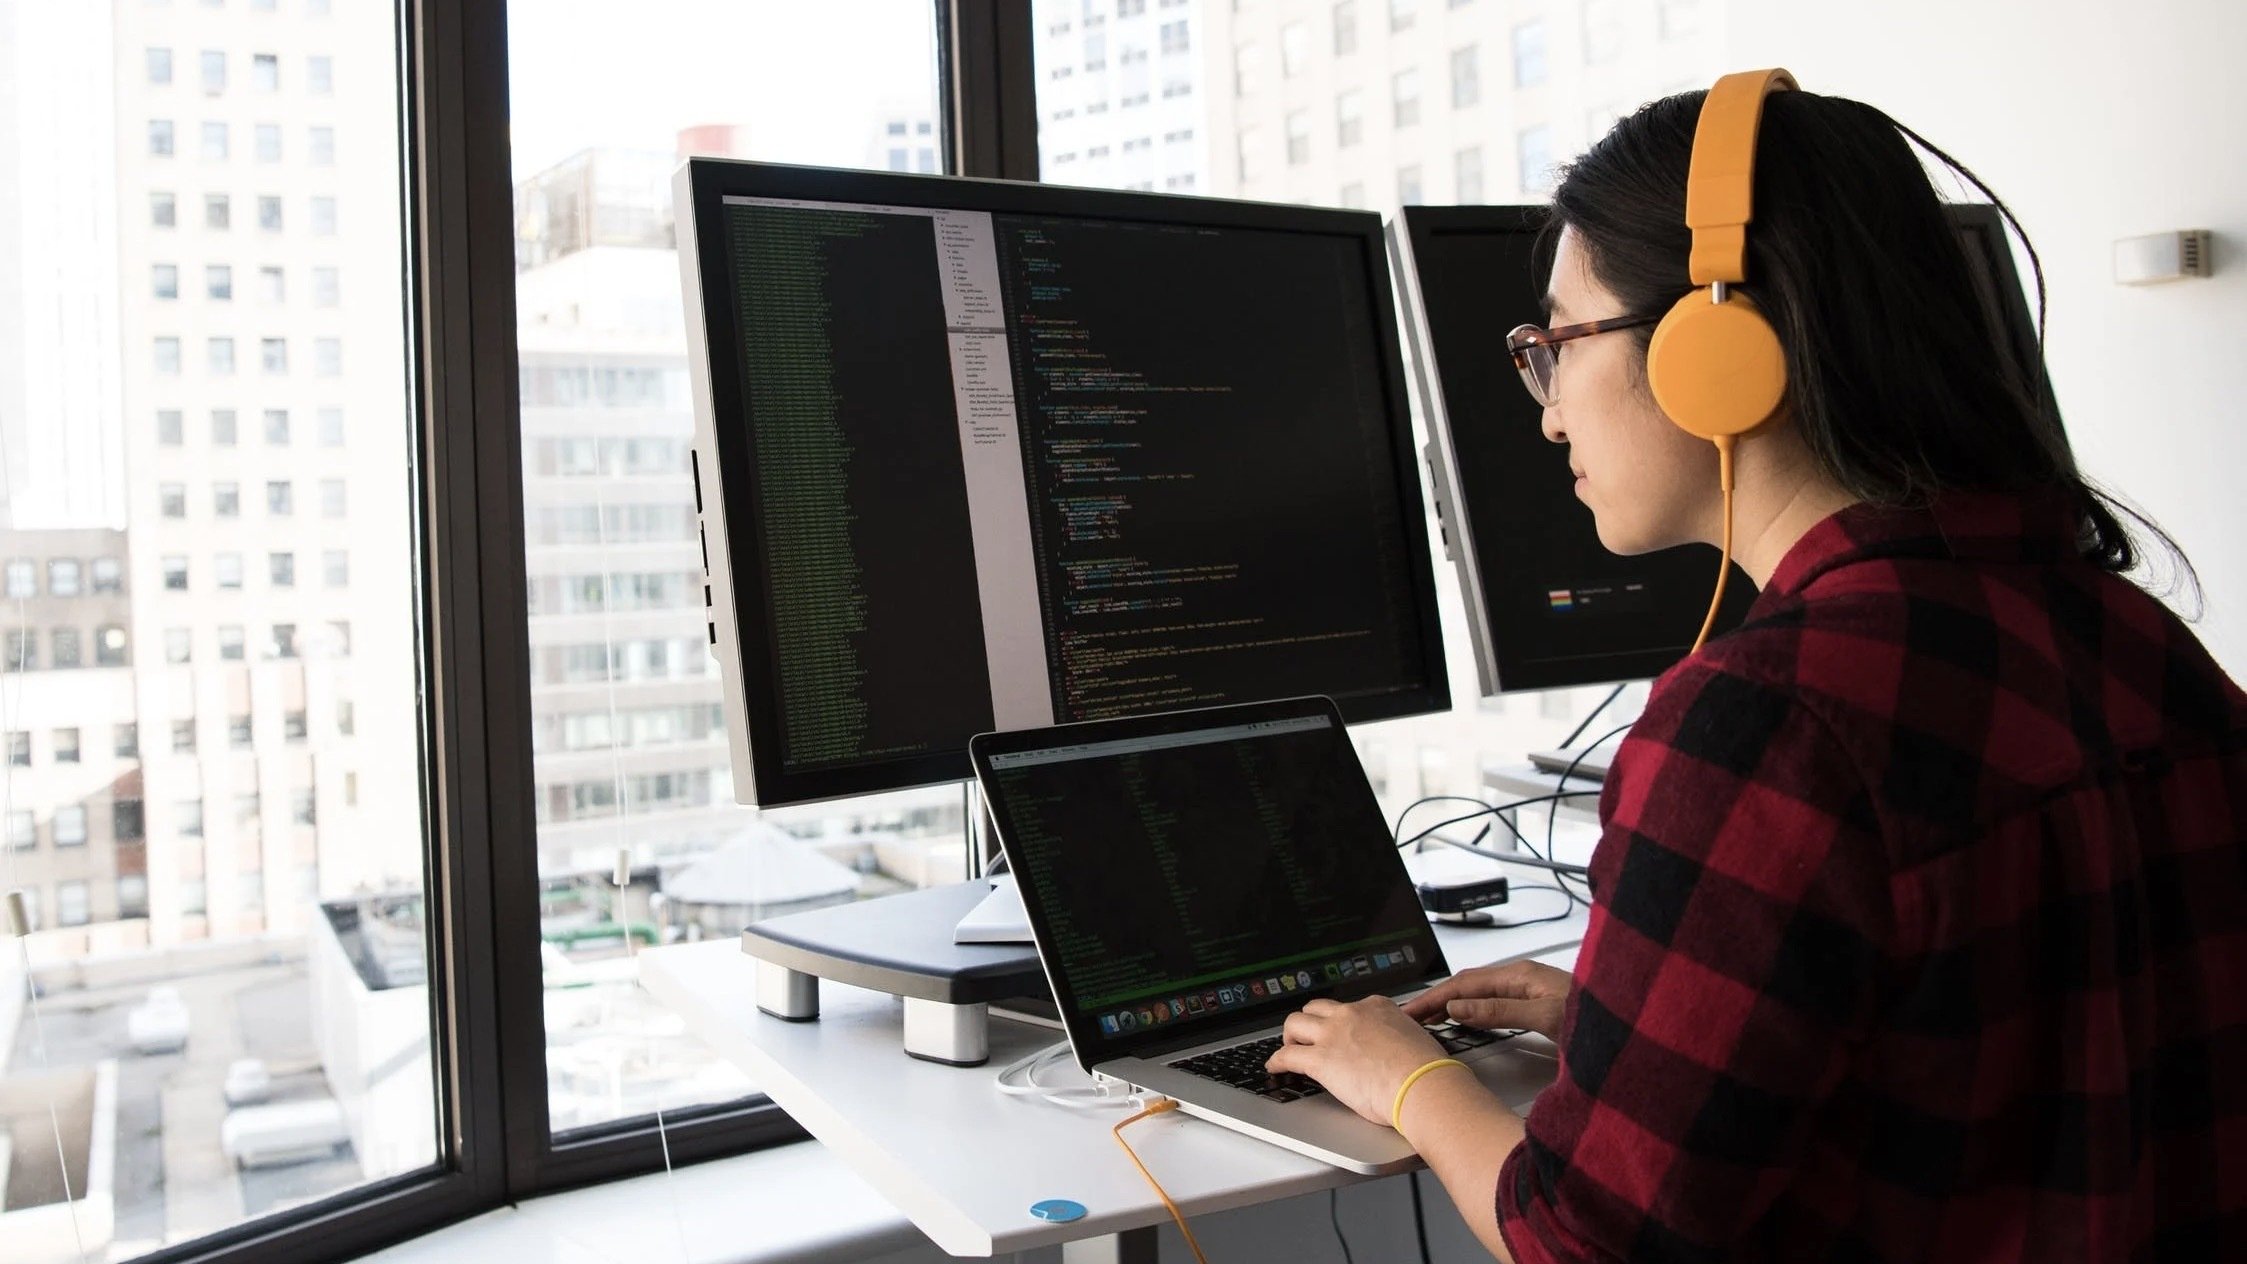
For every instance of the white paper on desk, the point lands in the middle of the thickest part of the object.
(999, 919)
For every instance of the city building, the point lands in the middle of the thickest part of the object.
(1121, 93)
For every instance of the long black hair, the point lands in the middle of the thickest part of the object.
(1898, 377)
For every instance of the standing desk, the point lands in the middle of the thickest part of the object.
(964, 1162)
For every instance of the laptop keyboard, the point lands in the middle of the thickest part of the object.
(1242, 1066)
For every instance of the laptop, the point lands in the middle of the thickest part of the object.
(1191, 879)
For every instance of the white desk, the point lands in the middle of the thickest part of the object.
(963, 1161)
(1508, 782)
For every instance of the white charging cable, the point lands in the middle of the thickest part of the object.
(1103, 1092)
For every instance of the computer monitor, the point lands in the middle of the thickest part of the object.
(1547, 605)
(975, 455)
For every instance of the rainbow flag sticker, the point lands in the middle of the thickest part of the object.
(1560, 599)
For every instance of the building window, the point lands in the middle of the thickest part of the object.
(1405, 93)
(171, 427)
(269, 213)
(171, 499)
(280, 499)
(281, 569)
(265, 72)
(238, 732)
(1295, 49)
(1466, 77)
(222, 427)
(301, 807)
(1535, 149)
(179, 645)
(268, 141)
(23, 831)
(1175, 38)
(1298, 138)
(23, 578)
(67, 652)
(70, 826)
(183, 737)
(109, 575)
(335, 568)
(163, 210)
(319, 75)
(1248, 70)
(132, 888)
(1401, 13)
(127, 744)
(164, 280)
(331, 497)
(159, 66)
(226, 569)
(246, 808)
(1467, 174)
(1603, 31)
(327, 357)
(219, 355)
(1529, 54)
(226, 500)
(1349, 118)
(215, 145)
(187, 818)
(19, 749)
(63, 577)
(167, 356)
(231, 641)
(327, 287)
(1408, 186)
(1251, 154)
(159, 138)
(1351, 195)
(284, 640)
(323, 217)
(109, 646)
(218, 212)
(1345, 28)
(71, 901)
(67, 748)
(214, 72)
(273, 284)
(277, 425)
(323, 146)
(22, 653)
(331, 426)
(273, 354)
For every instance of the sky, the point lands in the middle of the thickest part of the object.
(811, 80)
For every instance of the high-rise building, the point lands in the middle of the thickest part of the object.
(1120, 93)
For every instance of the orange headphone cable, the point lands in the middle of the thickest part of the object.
(1724, 559)
(1157, 1108)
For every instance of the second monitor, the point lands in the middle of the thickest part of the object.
(977, 455)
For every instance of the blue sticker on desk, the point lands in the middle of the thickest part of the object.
(1058, 1210)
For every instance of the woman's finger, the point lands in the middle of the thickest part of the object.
(1300, 1029)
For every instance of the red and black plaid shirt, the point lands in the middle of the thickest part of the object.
(1921, 926)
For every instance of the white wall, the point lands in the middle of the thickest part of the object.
(2093, 121)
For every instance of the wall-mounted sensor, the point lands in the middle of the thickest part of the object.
(2162, 257)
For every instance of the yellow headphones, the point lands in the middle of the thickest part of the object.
(1715, 363)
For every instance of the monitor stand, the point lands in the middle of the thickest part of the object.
(1578, 765)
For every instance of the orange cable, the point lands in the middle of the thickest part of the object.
(1724, 559)
(1158, 1108)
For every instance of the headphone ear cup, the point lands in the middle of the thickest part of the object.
(1716, 368)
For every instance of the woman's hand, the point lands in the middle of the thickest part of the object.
(1519, 994)
(1361, 1052)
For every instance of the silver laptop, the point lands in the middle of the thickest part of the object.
(1192, 879)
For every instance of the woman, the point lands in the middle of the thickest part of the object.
(1920, 923)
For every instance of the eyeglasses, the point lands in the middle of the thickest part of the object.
(1536, 350)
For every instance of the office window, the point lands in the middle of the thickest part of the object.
(280, 498)
(281, 569)
(268, 141)
(19, 750)
(1295, 49)
(272, 284)
(1535, 148)
(301, 807)
(1466, 77)
(346, 717)
(63, 577)
(1408, 186)
(327, 287)
(218, 282)
(218, 212)
(1248, 70)
(231, 643)
(335, 568)
(171, 499)
(226, 499)
(23, 831)
(1603, 31)
(109, 646)
(265, 72)
(164, 280)
(219, 356)
(1345, 27)
(132, 888)
(1251, 154)
(1466, 172)
(179, 645)
(327, 357)
(68, 750)
(70, 823)
(222, 427)
(331, 498)
(166, 356)
(319, 75)
(126, 744)
(246, 805)
(159, 62)
(331, 427)
(1529, 54)
(277, 425)
(268, 213)
(23, 578)
(238, 737)
(1405, 93)
(323, 217)
(1349, 118)
(322, 146)
(226, 569)
(23, 650)
(214, 72)
(187, 818)
(183, 737)
(1351, 196)
(1298, 138)
(71, 901)
(1175, 38)
(66, 647)
(163, 210)
(1401, 13)
(284, 641)
(273, 354)
(175, 573)
(215, 142)
(293, 726)
(159, 138)
(109, 575)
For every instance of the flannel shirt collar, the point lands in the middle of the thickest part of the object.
(1994, 527)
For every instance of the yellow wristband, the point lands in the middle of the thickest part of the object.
(1396, 1111)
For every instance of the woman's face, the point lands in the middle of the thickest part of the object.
(1650, 485)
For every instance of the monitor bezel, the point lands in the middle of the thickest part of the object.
(722, 458)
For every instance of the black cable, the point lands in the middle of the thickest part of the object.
(1484, 808)
(1552, 815)
(1334, 1213)
(1586, 723)
(1419, 1216)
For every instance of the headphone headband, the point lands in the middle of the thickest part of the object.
(1720, 189)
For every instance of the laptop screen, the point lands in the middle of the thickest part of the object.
(1183, 872)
